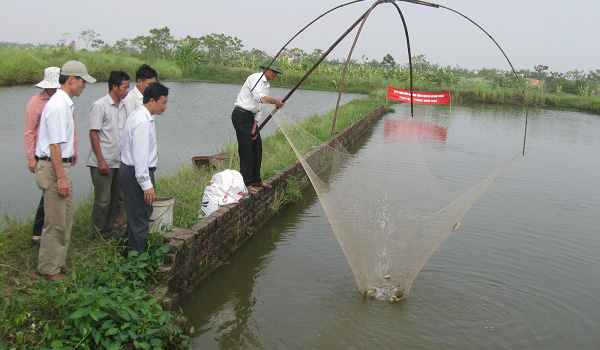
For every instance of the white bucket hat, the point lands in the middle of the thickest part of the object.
(76, 69)
(50, 79)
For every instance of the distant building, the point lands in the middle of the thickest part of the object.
(535, 82)
(285, 56)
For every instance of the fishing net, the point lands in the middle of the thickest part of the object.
(387, 210)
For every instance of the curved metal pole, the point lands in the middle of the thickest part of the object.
(350, 55)
(343, 80)
(418, 2)
(410, 66)
(310, 71)
(511, 66)
(301, 30)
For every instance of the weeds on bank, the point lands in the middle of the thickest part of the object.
(102, 303)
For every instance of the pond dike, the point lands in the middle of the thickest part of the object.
(207, 245)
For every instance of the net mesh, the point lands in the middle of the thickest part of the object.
(387, 210)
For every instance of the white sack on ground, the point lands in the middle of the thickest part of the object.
(225, 187)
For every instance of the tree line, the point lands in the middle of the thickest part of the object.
(219, 49)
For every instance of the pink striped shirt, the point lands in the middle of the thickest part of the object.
(33, 112)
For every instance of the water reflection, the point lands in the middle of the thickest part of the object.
(235, 291)
(399, 130)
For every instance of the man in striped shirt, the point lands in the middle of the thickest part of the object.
(144, 76)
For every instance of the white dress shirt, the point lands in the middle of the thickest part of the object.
(139, 145)
(250, 100)
(57, 126)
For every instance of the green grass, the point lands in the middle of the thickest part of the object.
(26, 66)
(102, 304)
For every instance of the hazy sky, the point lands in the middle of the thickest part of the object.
(563, 35)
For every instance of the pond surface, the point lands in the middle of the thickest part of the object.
(196, 123)
(521, 273)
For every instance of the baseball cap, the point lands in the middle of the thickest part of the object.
(76, 69)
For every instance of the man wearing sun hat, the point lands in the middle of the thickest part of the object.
(33, 112)
(245, 117)
(56, 151)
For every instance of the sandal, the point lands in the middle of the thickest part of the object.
(261, 184)
(121, 226)
(36, 240)
(251, 190)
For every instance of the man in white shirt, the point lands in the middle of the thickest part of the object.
(56, 151)
(107, 122)
(245, 116)
(139, 157)
(144, 76)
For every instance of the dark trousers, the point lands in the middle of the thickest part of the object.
(138, 211)
(38, 223)
(250, 151)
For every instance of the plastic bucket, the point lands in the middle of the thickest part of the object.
(162, 214)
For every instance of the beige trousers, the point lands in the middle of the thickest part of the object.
(108, 198)
(58, 219)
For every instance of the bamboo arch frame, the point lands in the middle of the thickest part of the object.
(362, 20)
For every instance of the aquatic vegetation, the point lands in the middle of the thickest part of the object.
(104, 303)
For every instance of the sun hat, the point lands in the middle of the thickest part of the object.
(50, 79)
(76, 69)
(275, 66)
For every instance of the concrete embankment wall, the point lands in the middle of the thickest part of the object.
(200, 250)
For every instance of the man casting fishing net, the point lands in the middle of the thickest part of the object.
(245, 116)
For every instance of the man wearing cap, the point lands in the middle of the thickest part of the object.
(245, 116)
(144, 76)
(33, 112)
(107, 122)
(139, 157)
(56, 149)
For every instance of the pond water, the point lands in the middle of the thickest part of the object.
(520, 273)
(197, 122)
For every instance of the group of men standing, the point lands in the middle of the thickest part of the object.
(122, 158)
(123, 155)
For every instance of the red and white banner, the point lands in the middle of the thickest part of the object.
(430, 98)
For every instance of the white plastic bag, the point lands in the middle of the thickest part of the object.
(225, 187)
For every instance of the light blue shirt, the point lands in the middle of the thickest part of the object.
(109, 119)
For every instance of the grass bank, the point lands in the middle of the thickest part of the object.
(535, 98)
(25, 66)
(105, 301)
